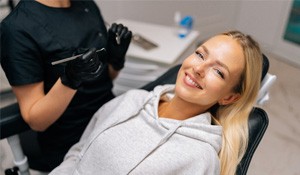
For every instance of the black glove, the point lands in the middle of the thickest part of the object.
(119, 38)
(86, 67)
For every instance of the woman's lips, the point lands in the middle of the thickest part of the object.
(189, 81)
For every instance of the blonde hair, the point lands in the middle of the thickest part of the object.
(234, 117)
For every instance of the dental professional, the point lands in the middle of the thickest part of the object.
(59, 100)
(197, 126)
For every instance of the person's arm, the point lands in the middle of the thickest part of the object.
(41, 110)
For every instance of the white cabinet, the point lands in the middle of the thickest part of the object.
(143, 66)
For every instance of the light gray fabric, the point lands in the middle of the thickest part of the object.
(126, 136)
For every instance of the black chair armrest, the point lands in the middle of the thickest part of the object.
(11, 121)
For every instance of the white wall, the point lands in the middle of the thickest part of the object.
(211, 17)
(266, 20)
(263, 19)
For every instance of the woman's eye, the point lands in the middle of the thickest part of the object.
(220, 73)
(200, 55)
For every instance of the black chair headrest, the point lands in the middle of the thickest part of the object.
(265, 67)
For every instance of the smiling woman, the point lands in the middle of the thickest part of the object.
(199, 125)
(215, 68)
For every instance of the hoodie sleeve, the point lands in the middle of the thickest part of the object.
(99, 122)
(73, 155)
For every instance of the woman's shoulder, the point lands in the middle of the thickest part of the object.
(157, 91)
(126, 103)
(136, 97)
(135, 94)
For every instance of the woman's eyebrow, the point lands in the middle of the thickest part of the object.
(218, 61)
(205, 49)
(223, 65)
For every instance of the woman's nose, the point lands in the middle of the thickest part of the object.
(200, 69)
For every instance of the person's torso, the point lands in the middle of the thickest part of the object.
(58, 33)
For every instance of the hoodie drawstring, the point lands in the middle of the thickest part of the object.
(164, 139)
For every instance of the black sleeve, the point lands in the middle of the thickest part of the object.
(20, 55)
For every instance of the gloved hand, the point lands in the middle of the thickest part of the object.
(119, 38)
(85, 68)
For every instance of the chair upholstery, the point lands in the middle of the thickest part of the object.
(267, 80)
(11, 121)
(265, 66)
(258, 124)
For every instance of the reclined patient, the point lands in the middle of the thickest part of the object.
(197, 126)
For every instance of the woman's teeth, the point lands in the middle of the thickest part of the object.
(190, 81)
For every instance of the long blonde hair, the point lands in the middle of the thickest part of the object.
(234, 117)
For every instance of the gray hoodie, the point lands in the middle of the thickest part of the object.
(126, 136)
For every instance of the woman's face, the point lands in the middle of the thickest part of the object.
(208, 75)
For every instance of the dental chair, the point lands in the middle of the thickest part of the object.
(12, 123)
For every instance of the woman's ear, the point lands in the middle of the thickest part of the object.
(233, 97)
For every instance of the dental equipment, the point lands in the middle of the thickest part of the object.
(73, 57)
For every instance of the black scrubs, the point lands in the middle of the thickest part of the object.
(32, 37)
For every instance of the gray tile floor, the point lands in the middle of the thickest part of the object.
(279, 150)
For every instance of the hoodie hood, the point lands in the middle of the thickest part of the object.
(198, 127)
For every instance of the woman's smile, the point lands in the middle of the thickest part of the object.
(190, 81)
